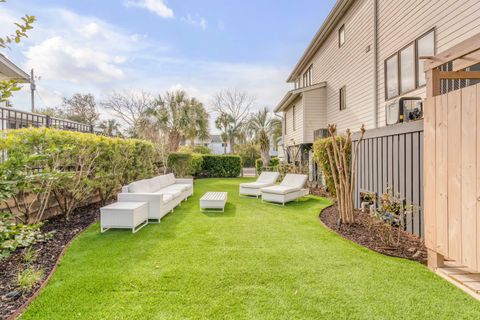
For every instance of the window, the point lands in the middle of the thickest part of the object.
(293, 118)
(425, 47)
(307, 77)
(391, 75)
(341, 36)
(407, 69)
(343, 98)
(404, 70)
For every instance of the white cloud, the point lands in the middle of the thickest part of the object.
(80, 49)
(199, 22)
(156, 6)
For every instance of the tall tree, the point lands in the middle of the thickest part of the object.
(110, 127)
(80, 108)
(224, 123)
(261, 125)
(180, 117)
(237, 105)
(197, 117)
(128, 106)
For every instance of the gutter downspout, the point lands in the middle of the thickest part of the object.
(375, 64)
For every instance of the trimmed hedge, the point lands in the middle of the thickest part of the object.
(195, 149)
(221, 166)
(320, 156)
(274, 162)
(69, 166)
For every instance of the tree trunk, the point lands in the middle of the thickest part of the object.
(232, 145)
(265, 157)
(174, 140)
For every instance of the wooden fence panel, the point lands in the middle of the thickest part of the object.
(452, 176)
(469, 163)
(392, 157)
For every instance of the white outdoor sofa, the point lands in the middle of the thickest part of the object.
(162, 193)
(266, 179)
(291, 188)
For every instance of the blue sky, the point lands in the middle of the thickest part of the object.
(154, 45)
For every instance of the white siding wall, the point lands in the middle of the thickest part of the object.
(298, 134)
(398, 25)
(315, 106)
(350, 66)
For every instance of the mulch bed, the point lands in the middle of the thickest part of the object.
(364, 232)
(48, 253)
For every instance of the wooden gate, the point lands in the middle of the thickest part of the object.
(452, 159)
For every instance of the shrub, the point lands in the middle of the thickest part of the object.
(321, 158)
(248, 153)
(196, 164)
(222, 166)
(68, 166)
(27, 278)
(13, 236)
(195, 149)
(274, 162)
(180, 163)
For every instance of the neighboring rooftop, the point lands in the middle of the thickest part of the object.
(10, 71)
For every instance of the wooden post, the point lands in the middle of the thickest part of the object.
(433, 82)
(435, 260)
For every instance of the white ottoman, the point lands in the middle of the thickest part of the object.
(213, 200)
(124, 215)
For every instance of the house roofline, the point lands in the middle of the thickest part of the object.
(328, 25)
(293, 94)
(18, 73)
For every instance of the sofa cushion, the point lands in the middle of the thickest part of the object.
(141, 186)
(170, 178)
(282, 190)
(184, 186)
(158, 183)
(167, 198)
(172, 188)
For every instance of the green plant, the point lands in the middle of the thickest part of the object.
(272, 166)
(224, 166)
(180, 163)
(29, 255)
(320, 154)
(195, 149)
(14, 236)
(196, 164)
(248, 152)
(28, 278)
(69, 166)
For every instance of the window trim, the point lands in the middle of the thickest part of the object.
(344, 89)
(399, 75)
(293, 118)
(342, 28)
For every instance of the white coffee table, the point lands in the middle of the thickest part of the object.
(124, 215)
(213, 201)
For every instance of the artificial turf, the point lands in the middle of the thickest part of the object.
(255, 261)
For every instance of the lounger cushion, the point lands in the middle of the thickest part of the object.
(167, 198)
(294, 180)
(280, 190)
(255, 185)
(142, 186)
(268, 177)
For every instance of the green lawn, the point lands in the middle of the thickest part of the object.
(255, 261)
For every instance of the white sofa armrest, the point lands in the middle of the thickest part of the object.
(154, 201)
(184, 181)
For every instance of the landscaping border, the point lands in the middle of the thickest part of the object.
(24, 306)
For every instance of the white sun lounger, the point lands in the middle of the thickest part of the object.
(291, 188)
(266, 179)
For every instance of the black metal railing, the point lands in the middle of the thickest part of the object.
(16, 119)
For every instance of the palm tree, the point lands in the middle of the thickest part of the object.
(198, 121)
(224, 123)
(179, 117)
(261, 125)
(110, 127)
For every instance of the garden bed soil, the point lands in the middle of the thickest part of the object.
(48, 254)
(410, 246)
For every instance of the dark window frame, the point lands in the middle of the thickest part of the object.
(399, 73)
(342, 98)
